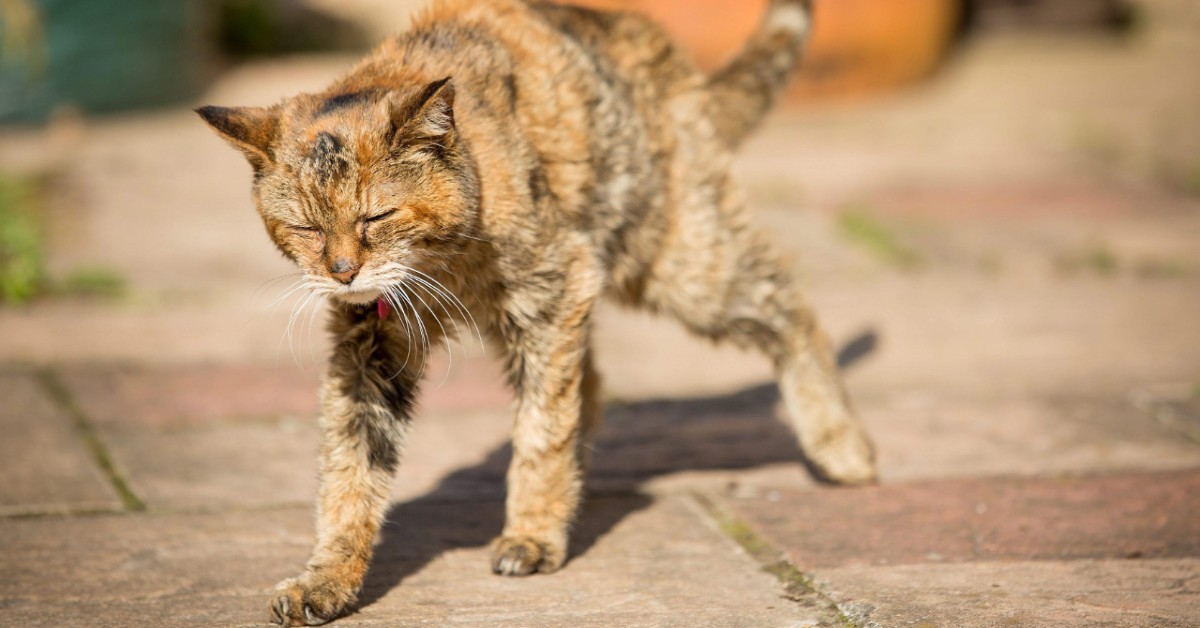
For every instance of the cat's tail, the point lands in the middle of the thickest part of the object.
(746, 89)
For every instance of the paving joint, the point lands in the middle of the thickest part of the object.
(58, 511)
(57, 391)
(799, 587)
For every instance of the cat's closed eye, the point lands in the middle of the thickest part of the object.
(377, 218)
(312, 236)
(380, 216)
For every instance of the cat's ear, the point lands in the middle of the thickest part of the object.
(427, 115)
(251, 130)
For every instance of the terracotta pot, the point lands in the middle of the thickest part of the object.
(865, 45)
(857, 45)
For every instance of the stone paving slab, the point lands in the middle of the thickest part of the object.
(1160, 593)
(637, 560)
(46, 465)
(1137, 515)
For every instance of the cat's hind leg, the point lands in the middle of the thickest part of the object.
(723, 280)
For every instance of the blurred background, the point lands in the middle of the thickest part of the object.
(994, 203)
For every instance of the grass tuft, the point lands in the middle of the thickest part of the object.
(92, 282)
(861, 228)
(22, 273)
(1096, 258)
(798, 586)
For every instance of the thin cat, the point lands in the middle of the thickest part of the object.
(507, 163)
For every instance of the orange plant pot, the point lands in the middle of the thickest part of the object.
(857, 46)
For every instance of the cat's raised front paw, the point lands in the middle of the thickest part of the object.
(522, 556)
(310, 599)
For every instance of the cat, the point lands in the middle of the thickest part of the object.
(506, 164)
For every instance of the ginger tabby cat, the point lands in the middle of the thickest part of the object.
(509, 163)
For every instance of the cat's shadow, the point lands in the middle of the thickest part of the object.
(639, 441)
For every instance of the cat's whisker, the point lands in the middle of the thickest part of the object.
(297, 310)
(264, 286)
(454, 301)
(449, 353)
(320, 305)
(438, 296)
(423, 336)
(270, 310)
(440, 287)
(297, 314)
(274, 307)
(296, 286)
(287, 330)
(426, 348)
(397, 302)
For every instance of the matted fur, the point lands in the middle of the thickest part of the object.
(508, 163)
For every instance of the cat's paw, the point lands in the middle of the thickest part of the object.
(522, 556)
(844, 457)
(311, 599)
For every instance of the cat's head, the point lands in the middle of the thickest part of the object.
(360, 189)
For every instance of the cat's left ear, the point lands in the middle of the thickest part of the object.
(427, 115)
(251, 130)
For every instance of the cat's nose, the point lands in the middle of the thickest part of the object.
(343, 270)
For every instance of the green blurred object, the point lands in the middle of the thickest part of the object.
(248, 27)
(91, 282)
(98, 55)
(21, 271)
(860, 227)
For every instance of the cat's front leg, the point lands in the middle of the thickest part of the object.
(556, 393)
(366, 399)
(545, 477)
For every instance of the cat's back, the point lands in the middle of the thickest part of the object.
(636, 48)
(561, 53)
(551, 35)
(572, 95)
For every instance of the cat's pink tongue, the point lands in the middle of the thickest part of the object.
(383, 307)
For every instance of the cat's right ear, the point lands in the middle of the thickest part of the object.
(251, 130)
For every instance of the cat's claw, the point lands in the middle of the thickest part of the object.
(309, 600)
(522, 556)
